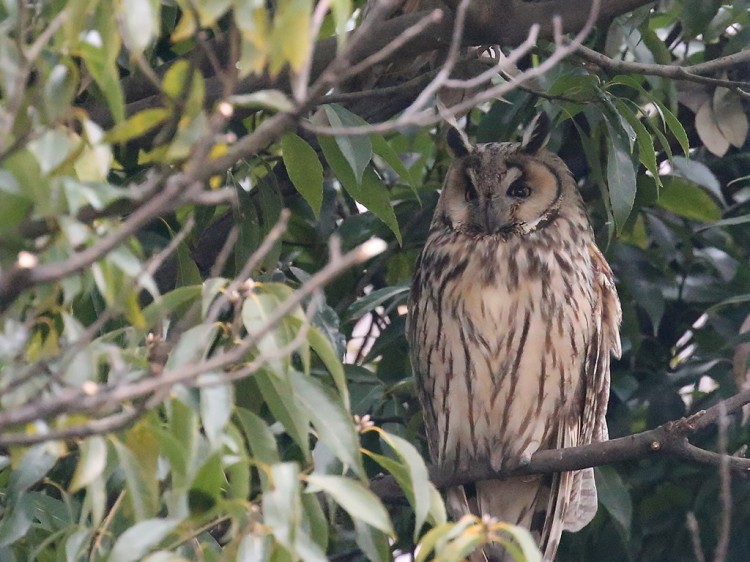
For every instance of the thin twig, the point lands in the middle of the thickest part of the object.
(695, 537)
(663, 70)
(722, 545)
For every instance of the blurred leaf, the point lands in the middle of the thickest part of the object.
(358, 501)
(334, 425)
(282, 505)
(99, 53)
(259, 437)
(323, 348)
(730, 116)
(140, 481)
(36, 462)
(688, 200)
(274, 100)
(290, 37)
(217, 403)
(135, 542)
(370, 302)
(91, 464)
(206, 488)
(708, 130)
(374, 543)
(698, 173)
(139, 20)
(137, 125)
(286, 407)
(614, 496)
(16, 521)
(304, 169)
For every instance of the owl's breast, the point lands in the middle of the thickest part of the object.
(500, 337)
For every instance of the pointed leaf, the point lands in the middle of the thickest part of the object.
(134, 543)
(334, 425)
(357, 150)
(357, 500)
(304, 170)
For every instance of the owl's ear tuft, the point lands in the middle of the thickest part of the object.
(537, 134)
(458, 143)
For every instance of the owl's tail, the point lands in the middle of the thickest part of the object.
(540, 503)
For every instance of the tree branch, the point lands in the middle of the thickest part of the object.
(669, 439)
(672, 71)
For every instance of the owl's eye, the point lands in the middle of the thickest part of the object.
(519, 190)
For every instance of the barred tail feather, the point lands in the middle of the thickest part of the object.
(521, 501)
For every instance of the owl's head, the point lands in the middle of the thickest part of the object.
(503, 188)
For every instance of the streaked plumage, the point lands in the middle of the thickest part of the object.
(513, 316)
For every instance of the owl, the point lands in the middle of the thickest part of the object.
(513, 317)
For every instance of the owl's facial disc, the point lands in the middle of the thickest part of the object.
(493, 192)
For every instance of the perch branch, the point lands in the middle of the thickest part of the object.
(670, 439)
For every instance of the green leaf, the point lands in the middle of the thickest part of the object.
(169, 302)
(91, 464)
(139, 23)
(304, 170)
(614, 496)
(673, 124)
(217, 402)
(419, 481)
(382, 148)
(140, 482)
(35, 464)
(646, 152)
(369, 302)
(285, 406)
(375, 544)
(16, 520)
(357, 500)
(333, 423)
(259, 437)
(137, 125)
(135, 542)
(621, 178)
(321, 345)
(192, 346)
(282, 505)
(205, 490)
(371, 192)
(257, 308)
(290, 37)
(732, 221)
(357, 150)
(104, 71)
(688, 200)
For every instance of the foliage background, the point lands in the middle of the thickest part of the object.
(156, 405)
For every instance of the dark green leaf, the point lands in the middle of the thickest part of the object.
(620, 174)
(304, 169)
(614, 496)
(357, 150)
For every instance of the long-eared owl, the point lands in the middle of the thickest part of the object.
(513, 317)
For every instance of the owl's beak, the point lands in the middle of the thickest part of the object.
(492, 217)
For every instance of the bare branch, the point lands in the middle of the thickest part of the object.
(94, 398)
(667, 71)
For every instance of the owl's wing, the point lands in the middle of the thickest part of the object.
(593, 425)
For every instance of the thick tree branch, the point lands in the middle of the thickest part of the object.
(670, 439)
(500, 21)
(510, 26)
